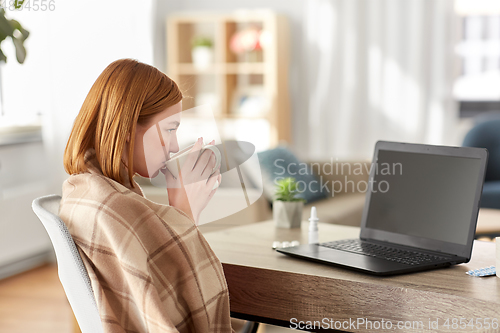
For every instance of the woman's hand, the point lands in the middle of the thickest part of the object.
(194, 187)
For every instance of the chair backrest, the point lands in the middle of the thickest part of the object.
(72, 272)
(486, 134)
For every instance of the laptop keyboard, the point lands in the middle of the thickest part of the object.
(383, 252)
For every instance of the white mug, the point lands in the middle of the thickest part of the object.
(497, 261)
(181, 155)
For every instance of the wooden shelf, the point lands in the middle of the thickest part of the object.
(226, 117)
(234, 83)
(220, 68)
(245, 68)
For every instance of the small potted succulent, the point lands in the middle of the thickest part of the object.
(202, 52)
(287, 207)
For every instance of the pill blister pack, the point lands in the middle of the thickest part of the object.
(282, 245)
(486, 271)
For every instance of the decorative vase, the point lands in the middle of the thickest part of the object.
(287, 214)
(202, 57)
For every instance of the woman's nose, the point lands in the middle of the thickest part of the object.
(174, 146)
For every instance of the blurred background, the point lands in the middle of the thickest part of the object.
(325, 78)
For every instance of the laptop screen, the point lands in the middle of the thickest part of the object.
(428, 196)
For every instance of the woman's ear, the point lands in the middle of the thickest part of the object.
(128, 138)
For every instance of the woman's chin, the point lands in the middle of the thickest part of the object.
(155, 174)
(147, 175)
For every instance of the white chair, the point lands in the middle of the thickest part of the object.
(72, 272)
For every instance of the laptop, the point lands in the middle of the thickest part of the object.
(420, 213)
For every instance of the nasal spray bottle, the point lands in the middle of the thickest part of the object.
(313, 227)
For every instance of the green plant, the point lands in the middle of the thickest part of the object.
(201, 41)
(286, 190)
(14, 30)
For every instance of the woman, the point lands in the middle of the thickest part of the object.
(150, 267)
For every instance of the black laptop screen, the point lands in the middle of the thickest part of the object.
(423, 195)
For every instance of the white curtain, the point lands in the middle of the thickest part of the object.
(377, 70)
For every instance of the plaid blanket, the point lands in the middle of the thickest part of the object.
(150, 267)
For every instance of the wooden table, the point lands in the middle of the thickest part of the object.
(269, 287)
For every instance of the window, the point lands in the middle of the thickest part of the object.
(478, 86)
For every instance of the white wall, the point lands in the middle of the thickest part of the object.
(67, 50)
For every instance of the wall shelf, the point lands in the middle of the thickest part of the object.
(241, 86)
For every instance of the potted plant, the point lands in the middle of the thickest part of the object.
(287, 207)
(202, 52)
(14, 30)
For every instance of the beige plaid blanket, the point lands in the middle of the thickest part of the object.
(151, 269)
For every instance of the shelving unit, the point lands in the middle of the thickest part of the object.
(248, 92)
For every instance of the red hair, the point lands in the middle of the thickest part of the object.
(126, 93)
